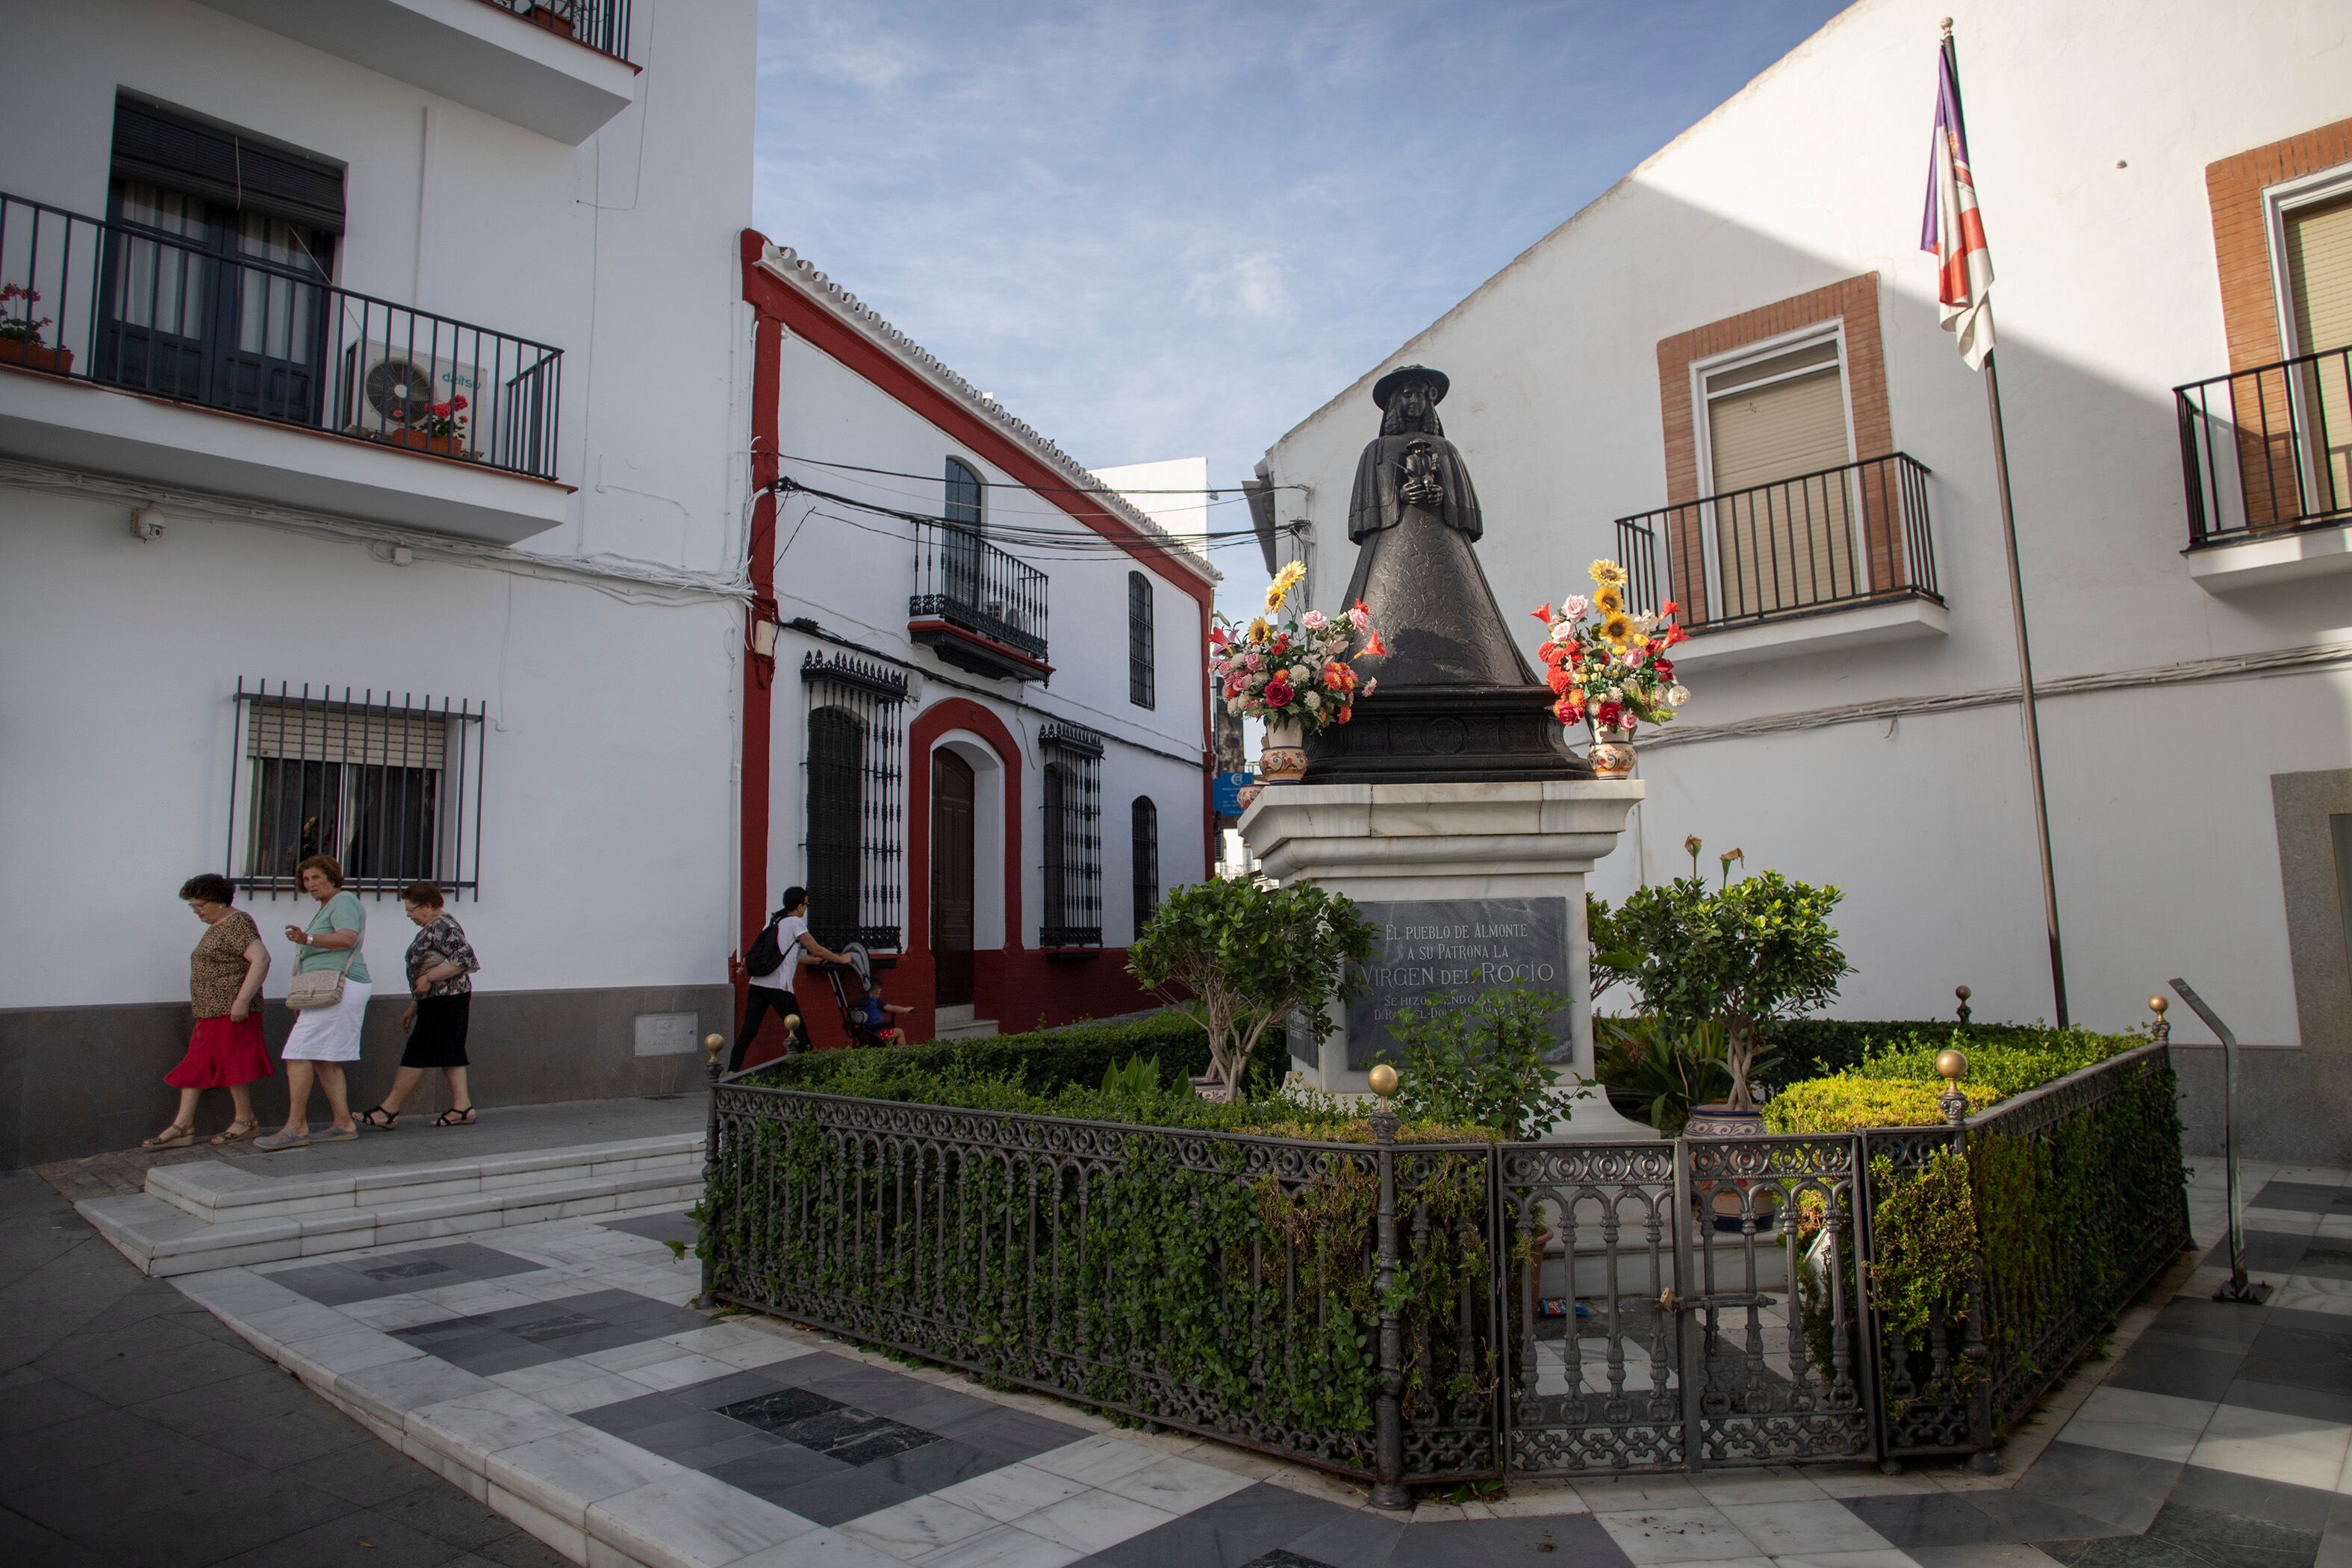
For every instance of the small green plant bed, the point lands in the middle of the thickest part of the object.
(1134, 1090)
(1897, 1084)
(1046, 1060)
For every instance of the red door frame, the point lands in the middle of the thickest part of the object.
(989, 967)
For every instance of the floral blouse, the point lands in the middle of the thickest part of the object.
(443, 941)
(217, 969)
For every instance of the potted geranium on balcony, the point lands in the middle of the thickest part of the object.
(440, 428)
(1609, 669)
(1294, 674)
(557, 17)
(20, 332)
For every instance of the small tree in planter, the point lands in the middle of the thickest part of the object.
(1760, 949)
(1480, 1062)
(1239, 959)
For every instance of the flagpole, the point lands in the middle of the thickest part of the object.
(2017, 614)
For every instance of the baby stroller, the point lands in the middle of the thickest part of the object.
(853, 1017)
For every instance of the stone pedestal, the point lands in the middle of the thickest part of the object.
(1475, 885)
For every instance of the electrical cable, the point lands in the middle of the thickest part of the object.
(1214, 491)
(1071, 544)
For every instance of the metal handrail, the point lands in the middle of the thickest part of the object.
(1848, 534)
(2267, 448)
(126, 306)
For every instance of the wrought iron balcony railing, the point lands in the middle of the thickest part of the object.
(972, 600)
(601, 24)
(1823, 541)
(2267, 450)
(129, 307)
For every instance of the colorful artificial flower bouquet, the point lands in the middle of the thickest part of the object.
(1607, 666)
(1295, 671)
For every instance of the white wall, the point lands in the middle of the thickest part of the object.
(852, 571)
(1172, 493)
(2091, 126)
(609, 802)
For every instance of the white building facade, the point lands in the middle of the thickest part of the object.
(980, 740)
(1729, 372)
(257, 599)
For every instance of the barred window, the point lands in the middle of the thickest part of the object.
(1073, 835)
(851, 809)
(1143, 828)
(392, 790)
(1142, 678)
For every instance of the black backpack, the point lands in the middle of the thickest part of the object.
(766, 956)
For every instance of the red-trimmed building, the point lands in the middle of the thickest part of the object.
(976, 726)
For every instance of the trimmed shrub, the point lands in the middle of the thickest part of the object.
(1813, 1047)
(1043, 1062)
(1899, 1087)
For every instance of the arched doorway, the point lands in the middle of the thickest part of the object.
(953, 882)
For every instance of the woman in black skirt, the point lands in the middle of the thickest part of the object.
(441, 963)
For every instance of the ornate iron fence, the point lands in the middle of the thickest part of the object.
(1427, 1313)
(2078, 1204)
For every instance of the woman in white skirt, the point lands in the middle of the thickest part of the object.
(324, 1038)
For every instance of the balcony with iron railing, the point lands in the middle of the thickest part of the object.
(102, 304)
(2266, 467)
(1840, 555)
(976, 606)
(559, 67)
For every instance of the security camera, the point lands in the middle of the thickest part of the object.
(147, 525)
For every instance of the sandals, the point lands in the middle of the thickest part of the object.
(175, 1136)
(282, 1140)
(231, 1133)
(456, 1116)
(377, 1117)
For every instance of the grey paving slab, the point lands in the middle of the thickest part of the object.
(136, 1431)
(657, 1227)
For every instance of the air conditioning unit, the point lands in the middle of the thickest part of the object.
(388, 390)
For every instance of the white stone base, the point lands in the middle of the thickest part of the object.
(1399, 842)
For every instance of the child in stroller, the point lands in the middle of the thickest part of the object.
(870, 1020)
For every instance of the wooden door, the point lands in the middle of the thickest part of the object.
(952, 877)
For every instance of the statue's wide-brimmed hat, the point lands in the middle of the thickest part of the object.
(1385, 388)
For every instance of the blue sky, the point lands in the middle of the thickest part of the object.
(1169, 229)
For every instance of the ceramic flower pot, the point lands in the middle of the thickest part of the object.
(1728, 1204)
(1611, 753)
(450, 445)
(1284, 758)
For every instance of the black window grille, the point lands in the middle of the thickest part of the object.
(1073, 835)
(391, 789)
(851, 829)
(1143, 828)
(1143, 688)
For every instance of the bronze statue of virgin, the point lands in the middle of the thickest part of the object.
(1456, 699)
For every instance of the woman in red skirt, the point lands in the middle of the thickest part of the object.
(226, 1051)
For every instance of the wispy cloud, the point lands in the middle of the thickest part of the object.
(1157, 228)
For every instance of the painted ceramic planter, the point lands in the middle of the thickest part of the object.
(1284, 759)
(1611, 753)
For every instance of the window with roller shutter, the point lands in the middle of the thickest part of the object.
(2318, 267)
(1772, 417)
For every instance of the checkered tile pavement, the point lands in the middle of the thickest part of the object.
(2219, 1436)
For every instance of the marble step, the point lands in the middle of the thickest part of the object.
(218, 1190)
(167, 1236)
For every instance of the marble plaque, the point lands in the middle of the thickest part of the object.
(1461, 945)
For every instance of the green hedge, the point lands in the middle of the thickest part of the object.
(1897, 1085)
(1813, 1047)
(1043, 1062)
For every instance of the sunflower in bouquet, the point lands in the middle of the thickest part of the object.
(1607, 666)
(1293, 668)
